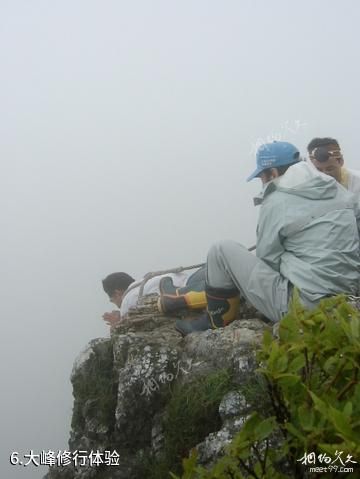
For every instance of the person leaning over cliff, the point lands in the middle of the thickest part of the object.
(326, 156)
(307, 237)
(123, 291)
(115, 285)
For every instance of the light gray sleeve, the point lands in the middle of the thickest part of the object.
(269, 246)
(357, 215)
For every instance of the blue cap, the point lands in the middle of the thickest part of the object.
(272, 155)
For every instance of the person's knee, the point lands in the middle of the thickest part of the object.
(224, 248)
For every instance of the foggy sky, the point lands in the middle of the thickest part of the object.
(128, 129)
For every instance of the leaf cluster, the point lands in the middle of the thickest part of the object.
(312, 379)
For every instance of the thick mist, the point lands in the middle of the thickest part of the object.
(128, 130)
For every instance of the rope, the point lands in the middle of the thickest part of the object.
(166, 271)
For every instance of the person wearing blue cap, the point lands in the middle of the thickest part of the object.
(307, 237)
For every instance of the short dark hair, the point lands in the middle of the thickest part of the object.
(316, 142)
(116, 281)
(281, 169)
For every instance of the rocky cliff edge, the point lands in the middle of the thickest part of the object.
(144, 397)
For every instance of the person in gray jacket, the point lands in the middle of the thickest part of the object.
(307, 237)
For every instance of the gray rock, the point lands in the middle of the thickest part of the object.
(122, 386)
(232, 405)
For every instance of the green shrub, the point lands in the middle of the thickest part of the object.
(312, 378)
(191, 414)
(97, 389)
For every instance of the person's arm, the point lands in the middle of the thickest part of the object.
(357, 215)
(354, 183)
(354, 189)
(269, 246)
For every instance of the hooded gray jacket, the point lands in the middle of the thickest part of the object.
(308, 230)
